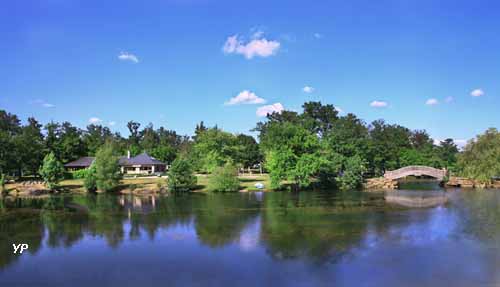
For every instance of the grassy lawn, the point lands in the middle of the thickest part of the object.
(247, 182)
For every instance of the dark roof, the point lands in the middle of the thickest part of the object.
(85, 161)
(142, 159)
(123, 160)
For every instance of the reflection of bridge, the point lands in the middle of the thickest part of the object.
(416, 170)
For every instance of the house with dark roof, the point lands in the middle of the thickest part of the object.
(140, 164)
(81, 163)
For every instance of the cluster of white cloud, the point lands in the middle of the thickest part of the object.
(308, 89)
(474, 93)
(95, 120)
(269, 109)
(258, 46)
(432, 102)
(42, 103)
(98, 121)
(379, 104)
(477, 93)
(245, 97)
(125, 56)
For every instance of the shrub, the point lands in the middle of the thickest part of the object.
(107, 173)
(352, 176)
(180, 176)
(89, 182)
(80, 174)
(2, 183)
(52, 171)
(224, 179)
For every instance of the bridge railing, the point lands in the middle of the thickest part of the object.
(416, 170)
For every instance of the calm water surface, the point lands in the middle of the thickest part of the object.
(252, 239)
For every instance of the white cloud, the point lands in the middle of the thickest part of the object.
(95, 120)
(308, 89)
(318, 35)
(42, 103)
(477, 93)
(124, 56)
(245, 97)
(379, 104)
(256, 47)
(339, 110)
(432, 102)
(112, 123)
(258, 34)
(449, 99)
(269, 109)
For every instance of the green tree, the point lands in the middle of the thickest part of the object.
(2, 183)
(181, 177)
(95, 137)
(29, 148)
(246, 151)
(107, 170)
(213, 148)
(52, 171)
(9, 151)
(352, 173)
(480, 159)
(224, 179)
(386, 144)
(448, 152)
(71, 143)
(165, 153)
(90, 179)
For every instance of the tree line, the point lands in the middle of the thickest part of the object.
(316, 146)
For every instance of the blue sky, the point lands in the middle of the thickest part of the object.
(431, 65)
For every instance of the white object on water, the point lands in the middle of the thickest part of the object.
(259, 185)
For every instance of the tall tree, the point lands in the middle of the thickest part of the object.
(71, 145)
(480, 159)
(52, 171)
(319, 118)
(386, 144)
(30, 143)
(9, 127)
(95, 137)
(107, 170)
(448, 152)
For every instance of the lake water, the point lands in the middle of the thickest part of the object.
(252, 239)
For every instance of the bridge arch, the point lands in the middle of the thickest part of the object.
(416, 170)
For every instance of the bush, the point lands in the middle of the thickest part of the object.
(352, 176)
(52, 171)
(224, 179)
(80, 174)
(180, 176)
(107, 169)
(89, 182)
(2, 183)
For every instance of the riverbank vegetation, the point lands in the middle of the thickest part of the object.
(314, 147)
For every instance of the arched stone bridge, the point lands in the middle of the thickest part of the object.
(416, 170)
